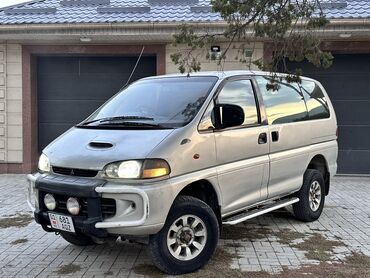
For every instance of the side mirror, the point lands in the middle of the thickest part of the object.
(227, 115)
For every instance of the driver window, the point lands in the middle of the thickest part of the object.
(240, 92)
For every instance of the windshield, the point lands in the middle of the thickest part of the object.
(165, 102)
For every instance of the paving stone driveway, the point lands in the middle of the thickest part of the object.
(274, 245)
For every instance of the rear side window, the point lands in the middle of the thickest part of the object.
(285, 105)
(317, 105)
(240, 92)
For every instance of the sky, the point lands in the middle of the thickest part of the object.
(4, 3)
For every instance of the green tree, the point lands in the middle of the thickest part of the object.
(290, 27)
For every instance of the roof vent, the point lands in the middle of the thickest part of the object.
(31, 11)
(201, 9)
(173, 2)
(84, 2)
(333, 5)
(114, 10)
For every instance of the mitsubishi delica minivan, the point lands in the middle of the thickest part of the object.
(170, 159)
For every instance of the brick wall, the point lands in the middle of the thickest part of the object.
(11, 103)
(207, 65)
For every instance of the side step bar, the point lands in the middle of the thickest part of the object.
(259, 211)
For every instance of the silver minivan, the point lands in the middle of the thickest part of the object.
(170, 159)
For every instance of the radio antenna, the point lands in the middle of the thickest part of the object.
(133, 70)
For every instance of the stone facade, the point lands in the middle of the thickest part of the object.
(11, 149)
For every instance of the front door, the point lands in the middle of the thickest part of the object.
(242, 151)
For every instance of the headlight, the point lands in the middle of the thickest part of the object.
(50, 202)
(44, 164)
(138, 169)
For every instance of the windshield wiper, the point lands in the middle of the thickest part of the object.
(118, 118)
(124, 123)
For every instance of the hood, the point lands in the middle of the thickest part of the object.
(94, 148)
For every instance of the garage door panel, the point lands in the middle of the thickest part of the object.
(70, 88)
(354, 137)
(70, 112)
(114, 65)
(57, 65)
(352, 112)
(144, 69)
(109, 65)
(354, 162)
(79, 87)
(344, 86)
(342, 63)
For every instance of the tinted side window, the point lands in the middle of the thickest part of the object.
(285, 105)
(240, 92)
(317, 105)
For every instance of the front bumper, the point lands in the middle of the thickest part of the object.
(132, 204)
(82, 225)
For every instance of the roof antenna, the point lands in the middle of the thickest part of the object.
(133, 70)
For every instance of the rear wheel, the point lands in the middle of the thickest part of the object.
(78, 239)
(311, 196)
(188, 239)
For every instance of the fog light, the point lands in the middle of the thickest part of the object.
(73, 206)
(50, 202)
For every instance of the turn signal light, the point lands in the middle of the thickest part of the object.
(155, 168)
(153, 173)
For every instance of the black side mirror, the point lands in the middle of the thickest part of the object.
(227, 115)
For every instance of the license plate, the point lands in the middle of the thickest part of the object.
(61, 222)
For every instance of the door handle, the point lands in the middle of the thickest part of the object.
(275, 136)
(262, 138)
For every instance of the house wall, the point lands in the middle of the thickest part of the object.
(11, 149)
(207, 65)
(15, 151)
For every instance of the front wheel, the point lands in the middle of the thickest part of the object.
(188, 239)
(311, 196)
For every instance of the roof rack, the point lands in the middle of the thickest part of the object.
(142, 9)
(84, 2)
(30, 11)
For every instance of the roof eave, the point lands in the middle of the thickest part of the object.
(131, 25)
(155, 32)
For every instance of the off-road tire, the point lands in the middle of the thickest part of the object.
(159, 251)
(78, 239)
(302, 210)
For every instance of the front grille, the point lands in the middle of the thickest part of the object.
(108, 206)
(75, 172)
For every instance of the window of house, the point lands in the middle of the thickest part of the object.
(317, 105)
(284, 105)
